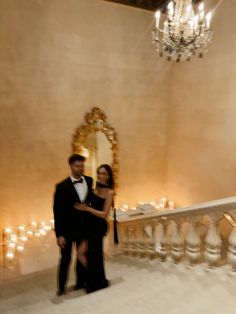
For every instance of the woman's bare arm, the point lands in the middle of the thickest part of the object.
(106, 208)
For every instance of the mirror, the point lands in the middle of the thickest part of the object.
(97, 141)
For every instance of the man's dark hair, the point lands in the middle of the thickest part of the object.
(75, 157)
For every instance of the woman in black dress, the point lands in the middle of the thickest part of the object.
(101, 201)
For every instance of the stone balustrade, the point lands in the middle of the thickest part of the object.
(204, 232)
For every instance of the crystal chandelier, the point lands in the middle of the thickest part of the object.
(184, 33)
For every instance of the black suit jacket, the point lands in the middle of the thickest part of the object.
(69, 222)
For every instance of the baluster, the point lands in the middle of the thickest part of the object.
(124, 239)
(177, 242)
(163, 248)
(193, 243)
(231, 255)
(132, 243)
(150, 233)
(129, 241)
(141, 240)
(212, 244)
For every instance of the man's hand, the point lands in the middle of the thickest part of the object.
(81, 207)
(61, 242)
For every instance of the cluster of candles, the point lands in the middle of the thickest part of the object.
(163, 204)
(14, 240)
(186, 15)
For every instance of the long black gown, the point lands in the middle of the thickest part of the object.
(97, 230)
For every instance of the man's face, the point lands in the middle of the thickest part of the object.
(77, 168)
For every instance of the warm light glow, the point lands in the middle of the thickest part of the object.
(34, 223)
(10, 255)
(20, 247)
(29, 233)
(15, 241)
(13, 237)
(23, 238)
(208, 19)
(42, 232)
(171, 205)
(183, 33)
(8, 230)
(141, 203)
(51, 222)
(11, 245)
(201, 7)
(153, 203)
(21, 227)
(157, 16)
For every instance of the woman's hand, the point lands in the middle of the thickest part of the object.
(81, 207)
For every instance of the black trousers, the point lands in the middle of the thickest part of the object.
(64, 265)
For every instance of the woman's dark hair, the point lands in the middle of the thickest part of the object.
(75, 157)
(110, 180)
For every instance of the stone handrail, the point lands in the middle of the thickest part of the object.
(207, 208)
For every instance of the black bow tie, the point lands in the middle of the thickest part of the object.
(78, 181)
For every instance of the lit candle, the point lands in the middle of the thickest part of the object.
(208, 19)
(47, 227)
(153, 203)
(42, 232)
(170, 8)
(188, 10)
(11, 245)
(171, 205)
(196, 19)
(29, 233)
(10, 255)
(51, 221)
(201, 7)
(8, 230)
(20, 247)
(23, 238)
(42, 223)
(201, 11)
(157, 15)
(21, 227)
(33, 225)
(13, 237)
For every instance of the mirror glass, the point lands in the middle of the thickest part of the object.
(97, 151)
(97, 141)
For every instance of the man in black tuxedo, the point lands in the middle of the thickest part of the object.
(71, 224)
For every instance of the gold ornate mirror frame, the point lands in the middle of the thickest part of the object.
(96, 121)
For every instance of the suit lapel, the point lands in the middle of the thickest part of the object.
(72, 189)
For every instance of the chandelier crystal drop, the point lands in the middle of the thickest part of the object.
(184, 33)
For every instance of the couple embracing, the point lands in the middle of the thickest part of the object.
(80, 215)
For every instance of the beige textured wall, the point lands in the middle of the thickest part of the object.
(202, 118)
(58, 59)
(175, 122)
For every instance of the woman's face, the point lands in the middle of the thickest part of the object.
(102, 175)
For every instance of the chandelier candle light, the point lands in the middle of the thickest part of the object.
(183, 33)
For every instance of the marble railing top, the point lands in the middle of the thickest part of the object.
(212, 208)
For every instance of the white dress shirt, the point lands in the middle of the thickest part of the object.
(81, 188)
